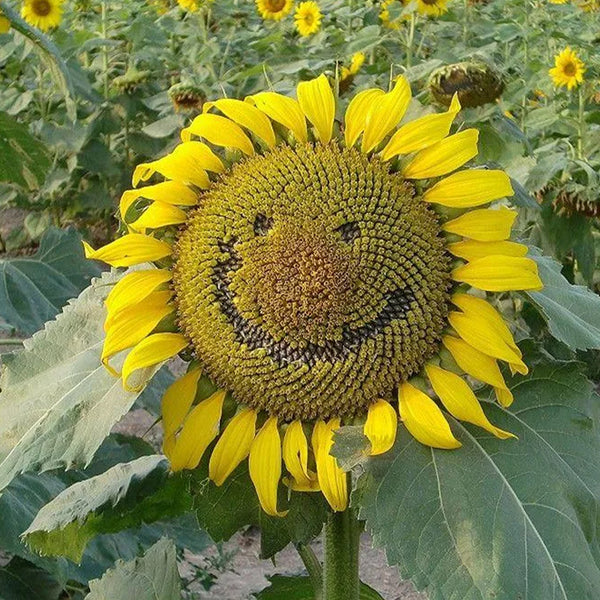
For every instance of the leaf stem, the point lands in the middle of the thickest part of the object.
(342, 536)
(581, 125)
(313, 566)
(11, 342)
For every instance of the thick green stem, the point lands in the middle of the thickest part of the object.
(313, 566)
(342, 537)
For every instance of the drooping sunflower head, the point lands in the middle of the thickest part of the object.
(307, 18)
(476, 84)
(568, 69)
(186, 97)
(274, 10)
(43, 14)
(320, 278)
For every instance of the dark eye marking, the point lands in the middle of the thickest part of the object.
(349, 231)
(262, 224)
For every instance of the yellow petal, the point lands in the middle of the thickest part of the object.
(474, 363)
(188, 163)
(470, 188)
(423, 419)
(265, 466)
(356, 114)
(151, 351)
(131, 249)
(247, 116)
(472, 249)
(134, 287)
(483, 225)
(385, 113)
(158, 214)
(500, 274)
(504, 396)
(219, 131)
(443, 157)
(459, 399)
(198, 431)
(283, 110)
(421, 133)
(473, 306)
(176, 404)
(482, 335)
(171, 192)
(131, 325)
(295, 457)
(318, 104)
(233, 446)
(332, 480)
(381, 426)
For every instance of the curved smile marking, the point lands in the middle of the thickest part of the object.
(255, 337)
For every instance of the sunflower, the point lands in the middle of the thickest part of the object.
(433, 8)
(43, 14)
(356, 62)
(568, 70)
(317, 279)
(386, 18)
(274, 9)
(308, 18)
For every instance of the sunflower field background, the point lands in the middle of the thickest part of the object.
(91, 503)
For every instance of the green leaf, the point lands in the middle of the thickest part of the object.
(23, 159)
(49, 54)
(223, 510)
(20, 579)
(572, 311)
(33, 290)
(301, 588)
(152, 577)
(66, 524)
(498, 519)
(58, 402)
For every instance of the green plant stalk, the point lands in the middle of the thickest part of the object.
(313, 566)
(410, 41)
(342, 536)
(581, 125)
(104, 33)
(465, 22)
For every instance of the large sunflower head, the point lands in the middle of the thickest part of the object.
(321, 273)
(274, 9)
(43, 14)
(568, 69)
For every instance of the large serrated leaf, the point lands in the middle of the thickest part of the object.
(58, 402)
(127, 495)
(20, 579)
(34, 289)
(498, 519)
(152, 577)
(572, 311)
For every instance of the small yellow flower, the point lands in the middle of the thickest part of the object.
(558, 1)
(356, 62)
(189, 5)
(432, 8)
(43, 14)
(308, 18)
(274, 9)
(568, 69)
(589, 5)
(385, 17)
